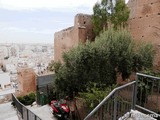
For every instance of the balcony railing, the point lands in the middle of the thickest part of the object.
(116, 104)
(148, 94)
(142, 94)
(25, 113)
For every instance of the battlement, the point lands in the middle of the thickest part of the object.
(68, 38)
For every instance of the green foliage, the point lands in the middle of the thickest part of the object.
(54, 66)
(124, 55)
(145, 86)
(118, 46)
(109, 12)
(143, 57)
(27, 99)
(143, 89)
(99, 62)
(151, 72)
(99, 18)
(95, 95)
(120, 15)
(51, 66)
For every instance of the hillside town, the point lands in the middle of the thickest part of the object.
(16, 58)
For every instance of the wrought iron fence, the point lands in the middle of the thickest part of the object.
(25, 113)
(120, 101)
(148, 94)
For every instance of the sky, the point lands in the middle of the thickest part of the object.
(36, 21)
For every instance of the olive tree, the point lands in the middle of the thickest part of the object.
(99, 62)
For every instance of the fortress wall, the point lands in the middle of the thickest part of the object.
(68, 38)
(63, 41)
(144, 23)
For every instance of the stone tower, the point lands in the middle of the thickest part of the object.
(68, 38)
(144, 23)
(26, 80)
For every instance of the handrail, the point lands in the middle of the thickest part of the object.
(18, 100)
(106, 98)
(149, 76)
(24, 106)
(135, 95)
(148, 110)
(145, 95)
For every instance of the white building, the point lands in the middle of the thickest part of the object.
(4, 80)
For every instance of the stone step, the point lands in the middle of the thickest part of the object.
(136, 115)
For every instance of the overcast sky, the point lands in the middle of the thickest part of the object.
(35, 21)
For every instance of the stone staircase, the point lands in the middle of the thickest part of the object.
(136, 115)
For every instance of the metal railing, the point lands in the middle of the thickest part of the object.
(120, 101)
(148, 94)
(142, 94)
(25, 113)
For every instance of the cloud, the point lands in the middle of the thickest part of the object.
(126, 1)
(44, 4)
(29, 30)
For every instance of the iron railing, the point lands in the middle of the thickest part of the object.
(25, 113)
(148, 94)
(142, 94)
(116, 104)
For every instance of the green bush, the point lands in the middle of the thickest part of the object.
(95, 95)
(27, 99)
(113, 52)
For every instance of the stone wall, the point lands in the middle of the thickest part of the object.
(68, 38)
(144, 23)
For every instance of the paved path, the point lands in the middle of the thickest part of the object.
(43, 112)
(7, 112)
